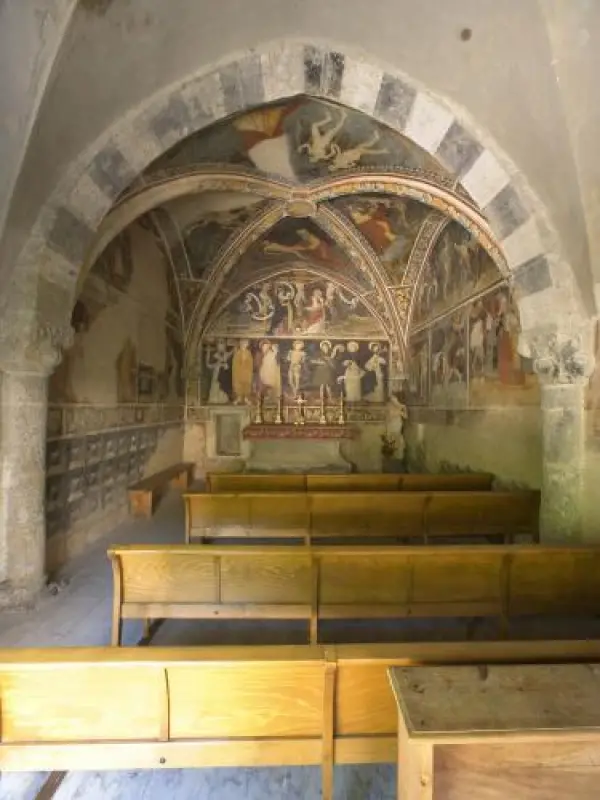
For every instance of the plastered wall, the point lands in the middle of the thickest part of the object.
(116, 400)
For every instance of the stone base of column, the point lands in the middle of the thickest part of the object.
(19, 598)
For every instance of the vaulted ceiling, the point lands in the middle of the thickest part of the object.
(303, 188)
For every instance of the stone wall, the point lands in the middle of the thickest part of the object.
(504, 441)
(116, 400)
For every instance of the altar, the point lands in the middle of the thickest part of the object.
(306, 448)
(301, 438)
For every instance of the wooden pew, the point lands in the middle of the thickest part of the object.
(311, 516)
(327, 583)
(355, 482)
(168, 708)
(144, 494)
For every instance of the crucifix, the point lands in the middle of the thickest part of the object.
(301, 403)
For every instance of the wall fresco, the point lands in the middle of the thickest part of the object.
(234, 371)
(458, 268)
(300, 305)
(418, 369)
(473, 357)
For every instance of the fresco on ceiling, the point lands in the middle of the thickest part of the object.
(234, 371)
(298, 244)
(299, 139)
(389, 224)
(458, 268)
(205, 239)
(417, 387)
(297, 304)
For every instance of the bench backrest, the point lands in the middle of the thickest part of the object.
(311, 583)
(131, 708)
(310, 515)
(356, 482)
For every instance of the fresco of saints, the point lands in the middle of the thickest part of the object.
(217, 363)
(352, 377)
(325, 365)
(314, 314)
(296, 358)
(269, 371)
(375, 365)
(242, 368)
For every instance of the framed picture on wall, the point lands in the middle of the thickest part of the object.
(146, 381)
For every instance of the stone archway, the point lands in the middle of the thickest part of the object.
(36, 323)
(67, 223)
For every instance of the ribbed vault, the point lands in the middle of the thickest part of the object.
(305, 185)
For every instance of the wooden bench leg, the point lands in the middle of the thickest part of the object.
(327, 756)
(415, 767)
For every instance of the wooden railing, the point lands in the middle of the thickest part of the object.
(162, 708)
(314, 584)
(310, 516)
(356, 482)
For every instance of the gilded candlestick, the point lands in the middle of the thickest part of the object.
(258, 417)
(322, 416)
(342, 414)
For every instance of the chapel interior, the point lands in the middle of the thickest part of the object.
(300, 399)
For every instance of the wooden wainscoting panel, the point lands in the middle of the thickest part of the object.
(555, 580)
(363, 577)
(281, 576)
(83, 702)
(366, 482)
(247, 699)
(457, 575)
(364, 702)
(279, 514)
(157, 576)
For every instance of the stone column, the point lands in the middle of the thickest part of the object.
(23, 414)
(563, 368)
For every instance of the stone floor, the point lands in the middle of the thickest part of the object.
(80, 613)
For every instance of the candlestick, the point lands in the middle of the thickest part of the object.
(259, 418)
(342, 414)
(279, 416)
(301, 402)
(322, 416)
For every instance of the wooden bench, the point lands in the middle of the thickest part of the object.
(168, 708)
(356, 482)
(144, 494)
(328, 583)
(526, 731)
(312, 516)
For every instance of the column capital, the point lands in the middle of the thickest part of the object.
(37, 350)
(559, 359)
